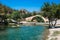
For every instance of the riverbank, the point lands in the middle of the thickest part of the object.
(40, 23)
(54, 34)
(33, 23)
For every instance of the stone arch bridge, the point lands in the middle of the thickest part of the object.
(30, 18)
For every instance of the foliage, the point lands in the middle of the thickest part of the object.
(15, 15)
(34, 13)
(4, 9)
(47, 10)
(51, 11)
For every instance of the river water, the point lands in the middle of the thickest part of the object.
(23, 33)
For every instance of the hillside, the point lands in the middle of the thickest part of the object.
(5, 10)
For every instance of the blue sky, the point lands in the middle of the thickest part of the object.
(30, 5)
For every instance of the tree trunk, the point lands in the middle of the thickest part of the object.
(49, 24)
(52, 24)
(55, 22)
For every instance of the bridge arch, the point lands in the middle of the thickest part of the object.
(39, 16)
(37, 19)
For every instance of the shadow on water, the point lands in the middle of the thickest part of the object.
(3, 27)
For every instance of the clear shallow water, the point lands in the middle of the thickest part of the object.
(23, 33)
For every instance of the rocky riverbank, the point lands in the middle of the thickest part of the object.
(54, 34)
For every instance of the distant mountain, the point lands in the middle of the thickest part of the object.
(23, 11)
(7, 10)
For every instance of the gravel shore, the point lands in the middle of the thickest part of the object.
(57, 37)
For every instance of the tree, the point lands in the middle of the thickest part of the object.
(47, 12)
(15, 15)
(34, 13)
(56, 12)
(52, 12)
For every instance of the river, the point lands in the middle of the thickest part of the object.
(23, 33)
